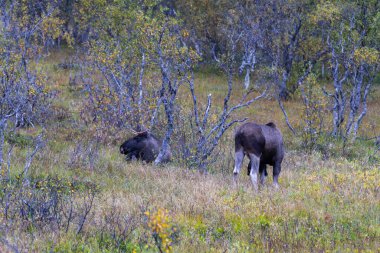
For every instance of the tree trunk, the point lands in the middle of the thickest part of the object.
(364, 111)
(355, 100)
(2, 141)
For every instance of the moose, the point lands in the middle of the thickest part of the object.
(263, 144)
(144, 146)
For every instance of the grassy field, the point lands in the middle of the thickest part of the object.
(324, 204)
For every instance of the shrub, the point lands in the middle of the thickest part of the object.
(163, 231)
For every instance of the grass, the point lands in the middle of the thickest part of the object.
(323, 205)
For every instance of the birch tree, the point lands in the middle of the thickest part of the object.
(25, 29)
(137, 61)
(349, 30)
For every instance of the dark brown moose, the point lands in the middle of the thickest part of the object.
(263, 144)
(144, 146)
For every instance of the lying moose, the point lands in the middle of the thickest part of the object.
(263, 144)
(144, 146)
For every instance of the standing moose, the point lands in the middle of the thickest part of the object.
(263, 144)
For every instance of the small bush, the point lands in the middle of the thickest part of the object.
(46, 203)
(18, 139)
(163, 231)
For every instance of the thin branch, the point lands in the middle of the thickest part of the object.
(286, 116)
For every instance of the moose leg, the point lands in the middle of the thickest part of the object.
(255, 164)
(239, 156)
(263, 173)
(132, 156)
(276, 173)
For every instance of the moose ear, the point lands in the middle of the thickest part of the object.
(143, 134)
